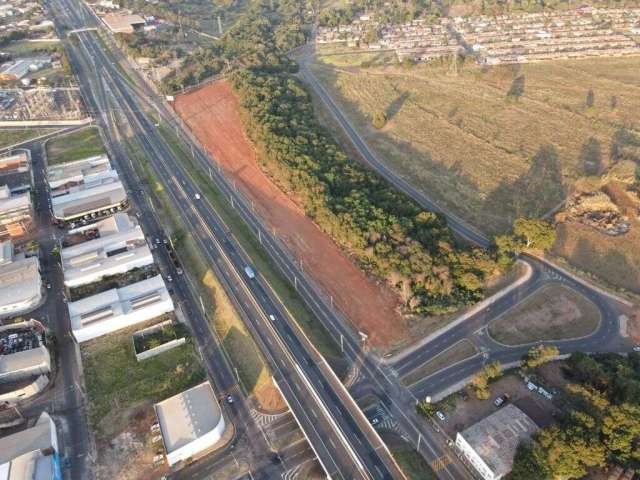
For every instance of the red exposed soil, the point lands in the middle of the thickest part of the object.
(212, 114)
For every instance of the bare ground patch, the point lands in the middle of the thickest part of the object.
(554, 312)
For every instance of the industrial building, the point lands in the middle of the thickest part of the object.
(123, 22)
(490, 445)
(20, 282)
(16, 213)
(191, 423)
(16, 163)
(21, 68)
(85, 188)
(119, 308)
(112, 246)
(23, 354)
(70, 174)
(31, 453)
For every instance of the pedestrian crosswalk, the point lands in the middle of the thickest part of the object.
(385, 420)
(441, 462)
(265, 419)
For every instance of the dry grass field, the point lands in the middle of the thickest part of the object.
(487, 157)
(554, 312)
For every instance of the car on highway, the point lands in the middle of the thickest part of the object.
(440, 415)
(179, 271)
(197, 196)
(249, 272)
(272, 318)
(636, 348)
(375, 421)
(229, 399)
(169, 278)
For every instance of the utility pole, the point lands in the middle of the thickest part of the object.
(219, 25)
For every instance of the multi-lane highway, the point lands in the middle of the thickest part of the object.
(341, 436)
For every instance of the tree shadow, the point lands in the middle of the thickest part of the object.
(535, 192)
(395, 106)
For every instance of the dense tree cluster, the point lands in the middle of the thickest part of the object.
(602, 425)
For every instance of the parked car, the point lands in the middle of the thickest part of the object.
(498, 402)
(440, 415)
(636, 348)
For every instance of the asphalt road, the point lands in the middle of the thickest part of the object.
(339, 436)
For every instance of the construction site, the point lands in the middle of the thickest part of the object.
(41, 104)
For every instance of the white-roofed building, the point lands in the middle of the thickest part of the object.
(31, 453)
(77, 172)
(20, 283)
(88, 199)
(85, 187)
(16, 213)
(191, 423)
(23, 354)
(115, 250)
(119, 308)
(490, 445)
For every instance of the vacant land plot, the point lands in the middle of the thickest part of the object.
(488, 156)
(118, 385)
(212, 113)
(75, 146)
(456, 353)
(25, 47)
(555, 312)
(12, 136)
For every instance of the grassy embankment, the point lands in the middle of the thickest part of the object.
(117, 383)
(15, 136)
(75, 146)
(307, 321)
(554, 312)
(254, 374)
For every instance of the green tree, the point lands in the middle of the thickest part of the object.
(535, 233)
(539, 355)
(621, 429)
(379, 119)
(526, 465)
(517, 88)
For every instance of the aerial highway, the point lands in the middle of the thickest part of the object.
(290, 350)
(342, 438)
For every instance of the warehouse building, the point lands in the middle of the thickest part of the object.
(105, 195)
(191, 423)
(18, 69)
(85, 188)
(20, 282)
(65, 175)
(31, 453)
(123, 22)
(23, 354)
(119, 308)
(118, 245)
(16, 163)
(490, 445)
(16, 213)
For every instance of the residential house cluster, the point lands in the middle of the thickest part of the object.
(516, 38)
(552, 35)
(27, 17)
(417, 39)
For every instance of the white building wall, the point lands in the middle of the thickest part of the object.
(117, 322)
(472, 457)
(200, 444)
